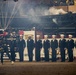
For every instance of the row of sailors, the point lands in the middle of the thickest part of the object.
(63, 44)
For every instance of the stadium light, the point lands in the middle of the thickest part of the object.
(15, 0)
(4, 0)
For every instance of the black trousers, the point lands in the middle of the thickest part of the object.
(37, 54)
(21, 55)
(12, 55)
(2, 53)
(46, 53)
(70, 55)
(30, 54)
(62, 51)
(53, 55)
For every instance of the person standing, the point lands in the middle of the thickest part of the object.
(70, 47)
(3, 44)
(21, 46)
(12, 49)
(1, 50)
(62, 46)
(30, 47)
(54, 46)
(38, 46)
(46, 46)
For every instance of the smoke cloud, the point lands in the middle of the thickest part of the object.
(27, 9)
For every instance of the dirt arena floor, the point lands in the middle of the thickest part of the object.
(38, 68)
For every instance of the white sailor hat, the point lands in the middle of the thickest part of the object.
(53, 35)
(21, 35)
(37, 35)
(61, 34)
(70, 35)
(45, 35)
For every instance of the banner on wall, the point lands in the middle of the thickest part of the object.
(25, 36)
